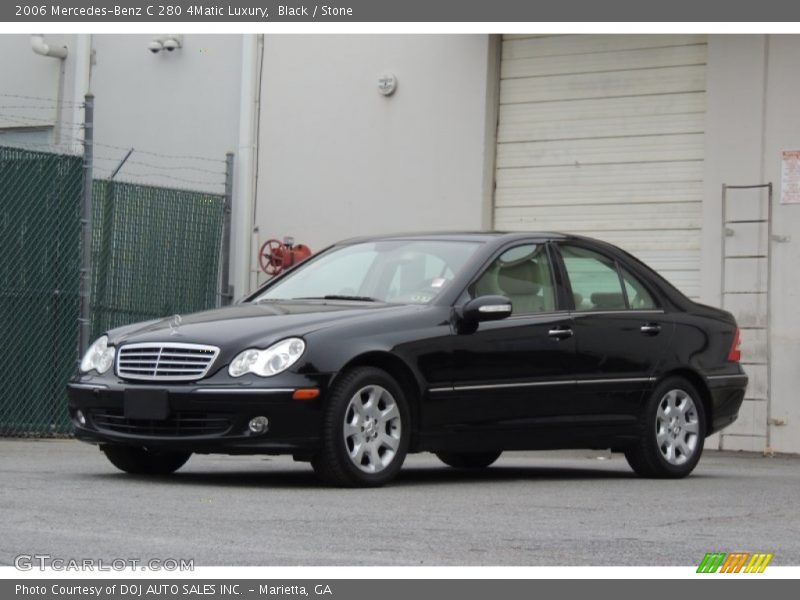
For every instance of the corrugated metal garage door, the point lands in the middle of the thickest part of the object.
(603, 136)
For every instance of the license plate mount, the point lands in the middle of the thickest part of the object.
(147, 404)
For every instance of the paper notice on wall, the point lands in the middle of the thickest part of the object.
(790, 177)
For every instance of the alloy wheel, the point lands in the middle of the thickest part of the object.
(372, 428)
(677, 427)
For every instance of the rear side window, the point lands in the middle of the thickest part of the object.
(638, 296)
(595, 281)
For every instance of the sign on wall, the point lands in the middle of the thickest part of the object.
(790, 177)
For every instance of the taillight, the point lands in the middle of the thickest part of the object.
(735, 354)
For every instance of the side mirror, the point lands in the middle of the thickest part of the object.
(486, 308)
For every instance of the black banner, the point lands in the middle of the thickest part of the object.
(733, 588)
(400, 11)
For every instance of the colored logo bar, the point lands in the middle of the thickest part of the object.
(735, 562)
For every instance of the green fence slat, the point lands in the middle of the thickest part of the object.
(40, 243)
(155, 253)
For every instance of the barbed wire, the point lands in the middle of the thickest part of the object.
(77, 127)
(158, 167)
(53, 147)
(71, 140)
(42, 99)
(160, 154)
(30, 107)
(103, 172)
(26, 118)
(153, 178)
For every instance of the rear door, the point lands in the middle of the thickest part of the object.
(621, 333)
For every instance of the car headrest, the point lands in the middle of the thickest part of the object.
(518, 279)
(608, 300)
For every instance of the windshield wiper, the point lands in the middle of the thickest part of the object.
(339, 297)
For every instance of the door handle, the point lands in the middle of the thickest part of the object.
(560, 333)
(650, 329)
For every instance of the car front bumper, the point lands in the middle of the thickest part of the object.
(198, 418)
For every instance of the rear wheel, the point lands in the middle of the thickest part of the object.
(671, 432)
(365, 430)
(469, 460)
(143, 461)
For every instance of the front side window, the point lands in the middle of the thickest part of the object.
(594, 279)
(523, 275)
(393, 271)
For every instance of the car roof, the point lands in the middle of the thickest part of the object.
(479, 236)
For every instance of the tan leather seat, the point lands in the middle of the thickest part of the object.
(518, 282)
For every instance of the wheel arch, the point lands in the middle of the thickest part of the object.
(700, 385)
(400, 371)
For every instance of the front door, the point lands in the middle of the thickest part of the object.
(508, 372)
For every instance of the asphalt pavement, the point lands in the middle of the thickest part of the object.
(62, 498)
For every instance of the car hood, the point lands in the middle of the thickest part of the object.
(251, 324)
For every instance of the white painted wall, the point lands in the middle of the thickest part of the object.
(752, 117)
(337, 159)
(184, 102)
(29, 85)
(179, 104)
(782, 132)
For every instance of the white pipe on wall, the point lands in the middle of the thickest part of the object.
(40, 47)
(244, 187)
(81, 82)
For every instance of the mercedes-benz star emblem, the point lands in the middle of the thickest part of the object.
(174, 324)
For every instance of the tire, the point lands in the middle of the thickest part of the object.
(365, 430)
(672, 429)
(468, 460)
(142, 461)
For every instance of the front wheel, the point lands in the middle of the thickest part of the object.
(468, 460)
(143, 461)
(365, 430)
(672, 430)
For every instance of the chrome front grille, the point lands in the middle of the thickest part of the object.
(169, 361)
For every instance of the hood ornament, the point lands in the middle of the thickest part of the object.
(174, 324)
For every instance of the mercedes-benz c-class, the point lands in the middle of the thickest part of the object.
(465, 345)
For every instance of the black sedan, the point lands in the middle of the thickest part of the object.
(462, 344)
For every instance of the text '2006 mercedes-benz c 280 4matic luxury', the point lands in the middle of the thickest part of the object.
(462, 344)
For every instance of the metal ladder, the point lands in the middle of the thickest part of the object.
(745, 276)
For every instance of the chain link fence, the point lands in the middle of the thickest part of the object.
(40, 200)
(156, 251)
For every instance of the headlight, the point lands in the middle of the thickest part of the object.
(266, 363)
(99, 357)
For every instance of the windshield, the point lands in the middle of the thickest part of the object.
(393, 271)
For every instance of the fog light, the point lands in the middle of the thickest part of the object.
(259, 424)
(79, 416)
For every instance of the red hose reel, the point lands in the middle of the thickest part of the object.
(276, 256)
